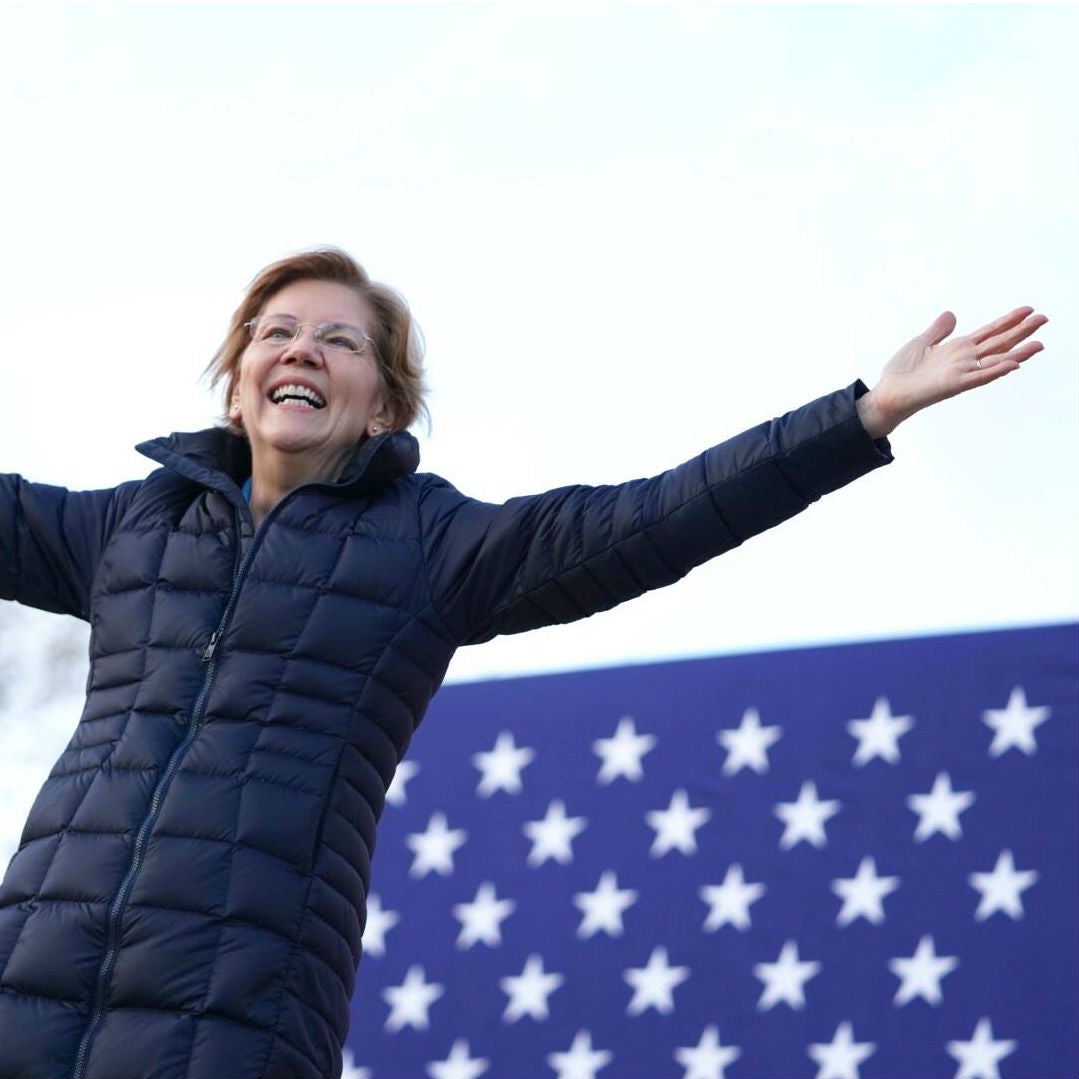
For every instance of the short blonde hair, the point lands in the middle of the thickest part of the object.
(398, 344)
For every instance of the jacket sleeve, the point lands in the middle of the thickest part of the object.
(51, 540)
(571, 552)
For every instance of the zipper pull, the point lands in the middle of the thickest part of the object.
(211, 646)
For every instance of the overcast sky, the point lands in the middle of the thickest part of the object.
(627, 231)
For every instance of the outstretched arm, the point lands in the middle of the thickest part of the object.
(935, 366)
(569, 553)
(51, 540)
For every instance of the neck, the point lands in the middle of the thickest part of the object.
(275, 474)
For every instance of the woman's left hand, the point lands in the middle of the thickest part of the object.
(935, 366)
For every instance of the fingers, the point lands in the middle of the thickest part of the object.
(987, 374)
(1008, 338)
(940, 327)
(999, 325)
(1016, 355)
(995, 367)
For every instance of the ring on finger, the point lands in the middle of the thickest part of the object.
(977, 363)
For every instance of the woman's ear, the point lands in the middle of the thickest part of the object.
(235, 413)
(380, 421)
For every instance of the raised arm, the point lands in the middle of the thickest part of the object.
(572, 552)
(936, 366)
(50, 542)
(575, 551)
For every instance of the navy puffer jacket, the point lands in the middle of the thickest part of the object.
(188, 896)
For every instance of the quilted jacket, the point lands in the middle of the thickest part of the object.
(188, 896)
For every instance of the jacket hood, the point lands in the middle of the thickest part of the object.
(219, 459)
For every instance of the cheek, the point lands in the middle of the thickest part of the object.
(245, 378)
(365, 391)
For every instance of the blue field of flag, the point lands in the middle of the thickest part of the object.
(847, 862)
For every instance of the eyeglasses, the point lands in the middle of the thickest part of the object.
(283, 330)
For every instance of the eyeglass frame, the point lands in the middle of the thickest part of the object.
(320, 329)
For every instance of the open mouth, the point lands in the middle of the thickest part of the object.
(292, 394)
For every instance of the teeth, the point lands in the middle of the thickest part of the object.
(300, 394)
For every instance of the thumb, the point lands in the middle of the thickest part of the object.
(940, 327)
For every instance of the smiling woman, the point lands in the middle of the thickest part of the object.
(315, 334)
(304, 401)
(271, 612)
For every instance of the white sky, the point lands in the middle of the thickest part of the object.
(627, 231)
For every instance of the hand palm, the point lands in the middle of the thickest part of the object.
(932, 368)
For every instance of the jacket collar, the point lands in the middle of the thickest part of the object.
(219, 459)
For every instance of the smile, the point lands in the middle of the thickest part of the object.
(304, 396)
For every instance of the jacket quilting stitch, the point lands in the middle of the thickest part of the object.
(239, 937)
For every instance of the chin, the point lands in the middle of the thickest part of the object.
(291, 437)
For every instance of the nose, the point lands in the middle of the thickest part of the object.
(304, 348)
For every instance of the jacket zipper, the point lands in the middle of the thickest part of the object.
(119, 903)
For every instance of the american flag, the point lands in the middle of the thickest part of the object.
(847, 862)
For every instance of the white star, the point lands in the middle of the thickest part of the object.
(552, 837)
(580, 1061)
(481, 920)
(785, 978)
(622, 752)
(747, 744)
(921, 973)
(603, 908)
(350, 1069)
(978, 1058)
(729, 901)
(804, 819)
(707, 1059)
(501, 766)
(676, 826)
(460, 1064)
(434, 847)
(839, 1058)
(863, 894)
(1002, 889)
(938, 811)
(396, 795)
(410, 1001)
(529, 990)
(654, 984)
(1014, 725)
(878, 736)
(379, 923)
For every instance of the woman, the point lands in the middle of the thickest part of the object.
(271, 612)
